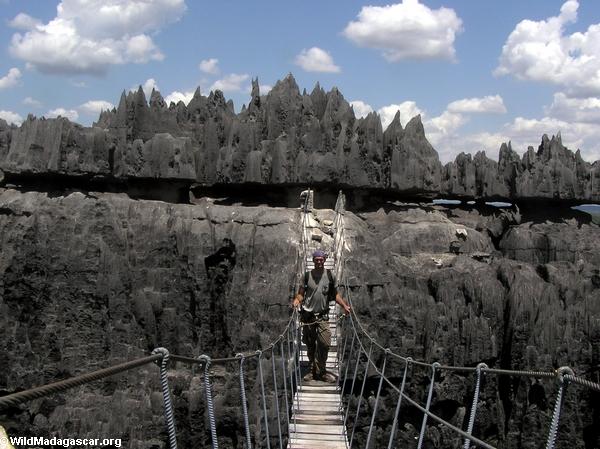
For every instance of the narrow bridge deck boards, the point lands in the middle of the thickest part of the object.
(317, 420)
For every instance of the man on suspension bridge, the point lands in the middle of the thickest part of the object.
(318, 289)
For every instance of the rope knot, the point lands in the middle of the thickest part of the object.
(259, 353)
(435, 365)
(409, 360)
(564, 371)
(206, 360)
(164, 352)
(482, 367)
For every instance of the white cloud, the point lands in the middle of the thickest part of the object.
(28, 101)
(88, 36)
(147, 87)
(446, 123)
(231, 83)
(361, 109)
(94, 107)
(11, 79)
(210, 66)
(24, 21)
(71, 114)
(541, 51)
(489, 104)
(408, 110)
(11, 117)
(584, 110)
(177, 96)
(316, 59)
(407, 30)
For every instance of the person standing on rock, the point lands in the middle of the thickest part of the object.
(319, 287)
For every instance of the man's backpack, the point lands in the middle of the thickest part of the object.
(330, 291)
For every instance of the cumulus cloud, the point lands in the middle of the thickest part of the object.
(492, 104)
(407, 30)
(28, 101)
(408, 109)
(446, 123)
(316, 59)
(230, 83)
(24, 21)
(542, 51)
(11, 117)
(583, 110)
(95, 107)
(11, 79)
(71, 114)
(88, 36)
(361, 109)
(177, 96)
(210, 66)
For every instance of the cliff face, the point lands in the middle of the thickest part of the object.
(88, 280)
(285, 137)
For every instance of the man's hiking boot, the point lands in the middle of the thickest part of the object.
(329, 378)
(308, 377)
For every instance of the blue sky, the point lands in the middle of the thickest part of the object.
(479, 72)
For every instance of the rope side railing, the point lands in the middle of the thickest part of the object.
(564, 375)
(14, 399)
(425, 410)
(502, 372)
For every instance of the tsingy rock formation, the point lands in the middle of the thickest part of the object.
(285, 137)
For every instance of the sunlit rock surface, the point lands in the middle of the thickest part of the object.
(285, 137)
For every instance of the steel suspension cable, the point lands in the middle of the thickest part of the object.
(285, 390)
(398, 404)
(374, 413)
(276, 398)
(474, 404)
(358, 355)
(264, 399)
(209, 401)
(244, 402)
(557, 406)
(362, 390)
(166, 393)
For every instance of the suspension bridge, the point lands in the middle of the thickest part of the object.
(296, 414)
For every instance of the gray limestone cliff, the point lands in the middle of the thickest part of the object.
(92, 279)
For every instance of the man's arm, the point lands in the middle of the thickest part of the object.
(342, 303)
(298, 298)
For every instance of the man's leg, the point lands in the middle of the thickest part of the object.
(322, 347)
(309, 338)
